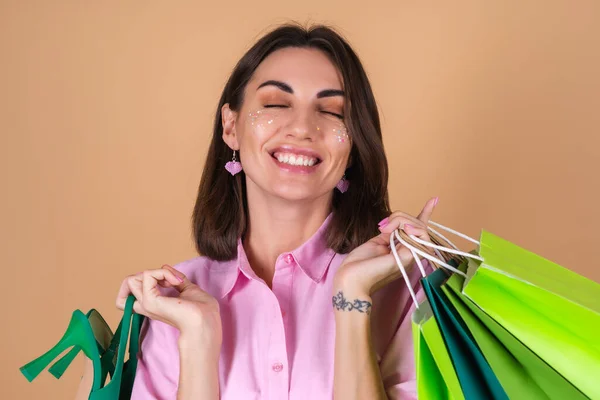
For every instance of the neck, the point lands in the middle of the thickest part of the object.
(277, 226)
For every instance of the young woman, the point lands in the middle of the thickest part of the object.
(296, 294)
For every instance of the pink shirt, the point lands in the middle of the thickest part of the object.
(279, 344)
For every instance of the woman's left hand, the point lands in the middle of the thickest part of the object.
(372, 265)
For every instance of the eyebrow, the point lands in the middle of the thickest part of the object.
(288, 89)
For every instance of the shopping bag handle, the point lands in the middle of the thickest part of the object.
(437, 248)
(424, 254)
(454, 250)
(403, 270)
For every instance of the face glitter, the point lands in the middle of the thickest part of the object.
(272, 119)
(341, 134)
(257, 118)
(253, 116)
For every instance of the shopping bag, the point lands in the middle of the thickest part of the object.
(520, 371)
(551, 310)
(436, 378)
(476, 377)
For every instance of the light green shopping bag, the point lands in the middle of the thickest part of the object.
(521, 373)
(436, 378)
(551, 310)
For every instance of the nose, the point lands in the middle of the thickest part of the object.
(303, 126)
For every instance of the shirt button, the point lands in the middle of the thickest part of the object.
(289, 259)
(277, 367)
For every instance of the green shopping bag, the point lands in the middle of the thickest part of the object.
(436, 378)
(476, 378)
(521, 373)
(551, 310)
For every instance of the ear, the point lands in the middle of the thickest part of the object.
(228, 119)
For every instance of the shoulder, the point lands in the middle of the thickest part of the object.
(199, 264)
(210, 275)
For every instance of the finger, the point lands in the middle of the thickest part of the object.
(138, 309)
(175, 272)
(183, 283)
(396, 214)
(151, 278)
(124, 291)
(416, 231)
(425, 214)
(398, 221)
(149, 286)
(165, 284)
(422, 234)
(135, 286)
(393, 224)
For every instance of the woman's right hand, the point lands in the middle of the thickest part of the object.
(194, 312)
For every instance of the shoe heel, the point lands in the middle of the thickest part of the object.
(33, 368)
(58, 368)
(103, 336)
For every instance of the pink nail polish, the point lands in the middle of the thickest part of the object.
(179, 279)
(436, 201)
(383, 222)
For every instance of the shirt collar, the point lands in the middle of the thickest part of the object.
(313, 257)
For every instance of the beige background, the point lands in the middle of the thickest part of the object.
(105, 114)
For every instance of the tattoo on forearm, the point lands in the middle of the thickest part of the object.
(340, 303)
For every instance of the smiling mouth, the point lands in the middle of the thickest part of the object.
(293, 159)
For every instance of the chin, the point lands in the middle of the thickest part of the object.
(294, 192)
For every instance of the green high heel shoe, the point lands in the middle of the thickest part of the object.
(103, 335)
(80, 333)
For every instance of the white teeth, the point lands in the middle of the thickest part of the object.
(293, 159)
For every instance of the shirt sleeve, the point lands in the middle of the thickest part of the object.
(397, 363)
(157, 374)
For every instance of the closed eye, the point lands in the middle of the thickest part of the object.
(334, 114)
(286, 106)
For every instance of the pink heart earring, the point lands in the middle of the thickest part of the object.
(233, 166)
(343, 184)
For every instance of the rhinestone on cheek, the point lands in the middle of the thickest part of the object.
(341, 134)
(254, 115)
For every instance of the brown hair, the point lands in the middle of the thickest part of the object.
(221, 212)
